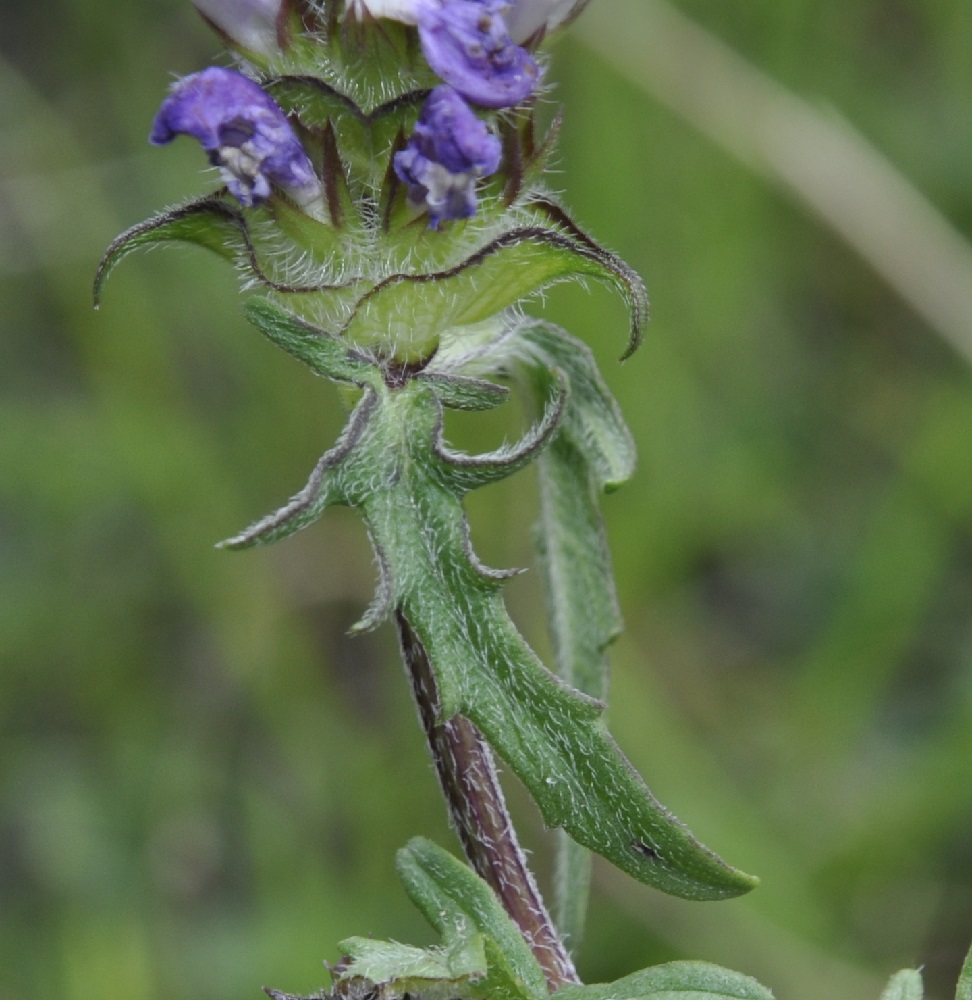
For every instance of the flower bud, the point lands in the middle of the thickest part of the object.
(246, 135)
(249, 25)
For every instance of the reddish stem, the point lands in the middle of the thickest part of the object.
(477, 809)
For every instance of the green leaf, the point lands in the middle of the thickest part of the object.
(593, 423)
(964, 989)
(627, 280)
(547, 733)
(673, 981)
(483, 956)
(454, 899)
(254, 248)
(904, 985)
(460, 393)
(325, 488)
(591, 451)
(366, 136)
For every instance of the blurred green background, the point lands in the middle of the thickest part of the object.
(203, 781)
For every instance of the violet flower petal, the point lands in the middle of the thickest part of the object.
(245, 133)
(467, 43)
(447, 153)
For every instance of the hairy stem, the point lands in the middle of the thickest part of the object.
(477, 809)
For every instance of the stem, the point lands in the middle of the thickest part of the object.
(477, 809)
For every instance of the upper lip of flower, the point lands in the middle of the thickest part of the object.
(524, 18)
(467, 43)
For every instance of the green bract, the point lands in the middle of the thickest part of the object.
(483, 956)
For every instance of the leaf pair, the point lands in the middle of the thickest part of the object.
(393, 464)
(483, 956)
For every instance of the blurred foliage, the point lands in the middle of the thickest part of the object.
(203, 782)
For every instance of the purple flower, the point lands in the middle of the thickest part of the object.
(447, 153)
(246, 135)
(467, 43)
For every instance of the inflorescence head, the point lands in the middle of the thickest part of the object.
(481, 49)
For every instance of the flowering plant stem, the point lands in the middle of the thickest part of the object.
(477, 808)
(382, 185)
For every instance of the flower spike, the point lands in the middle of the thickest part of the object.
(246, 135)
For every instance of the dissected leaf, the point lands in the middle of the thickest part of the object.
(408, 486)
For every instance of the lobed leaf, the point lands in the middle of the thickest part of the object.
(548, 733)
(393, 465)
(325, 488)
